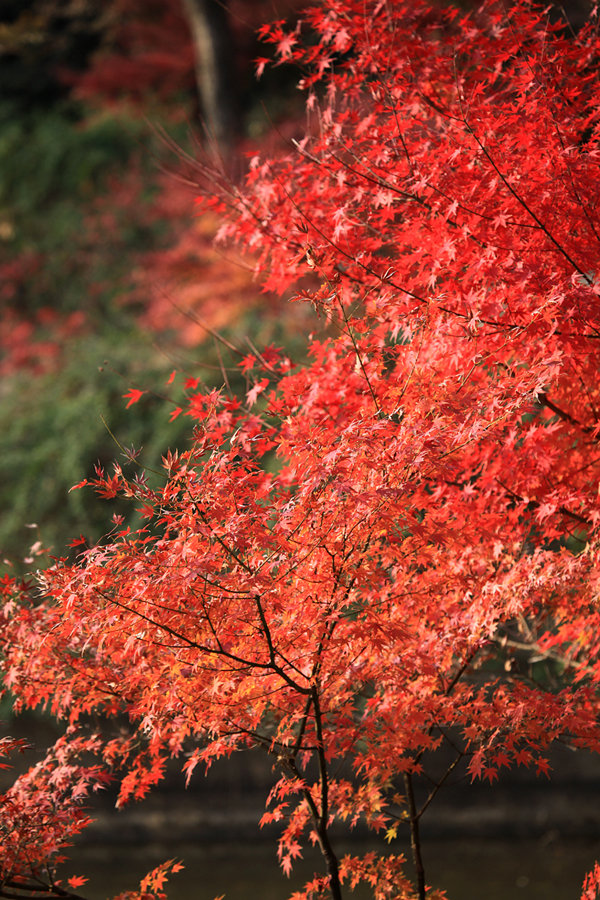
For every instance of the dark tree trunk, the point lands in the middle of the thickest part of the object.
(215, 69)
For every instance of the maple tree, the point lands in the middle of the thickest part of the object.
(391, 548)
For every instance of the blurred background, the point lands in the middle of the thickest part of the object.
(108, 278)
(109, 281)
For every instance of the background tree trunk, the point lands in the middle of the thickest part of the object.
(215, 69)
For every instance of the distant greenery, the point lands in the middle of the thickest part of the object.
(52, 433)
(56, 155)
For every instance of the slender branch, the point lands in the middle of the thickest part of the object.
(534, 647)
(221, 542)
(26, 889)
(415, 840)
(322, 822)
(434, 791)
(526, 206)
(302, 729)
(534, 504)
(565, 416)
(359, 356)
(270, 645)
(321, 756)
(219, 650)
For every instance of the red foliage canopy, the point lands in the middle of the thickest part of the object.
(434, 505)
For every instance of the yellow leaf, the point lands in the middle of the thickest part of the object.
(391, 833)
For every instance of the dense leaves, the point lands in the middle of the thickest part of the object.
(419, 569)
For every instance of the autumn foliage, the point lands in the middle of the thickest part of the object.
(391, 548)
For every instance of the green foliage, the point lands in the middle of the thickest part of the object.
(52, 155)
(52, 433)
